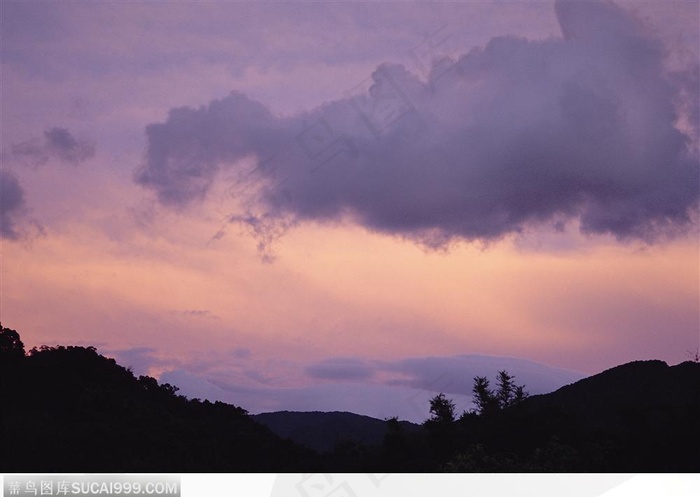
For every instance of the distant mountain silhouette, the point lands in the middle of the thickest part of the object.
(639, 385)
(69, 409)
(640, 416)
(645, 415)
(323, 431)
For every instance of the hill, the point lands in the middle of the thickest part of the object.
(70, 409)
(643, 415)
(323, 431)
(637, 417)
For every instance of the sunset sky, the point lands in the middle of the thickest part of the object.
(352, 206)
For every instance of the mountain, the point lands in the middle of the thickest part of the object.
(70, 409)
(645, 415)
(323, 431)
(636, 386)
(637, 417)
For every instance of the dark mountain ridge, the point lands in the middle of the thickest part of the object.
(644, 416)
(323, 431)
(69, 409)
(639, 416)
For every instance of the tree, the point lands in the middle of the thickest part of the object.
(506, 389)
(520, 394)
(484, 398)
(508, 393)
(442, 409)
(394, 438)
(11, 347)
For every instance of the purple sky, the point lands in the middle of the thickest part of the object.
(352, 206)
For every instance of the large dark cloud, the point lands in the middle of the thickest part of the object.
(516, 133)
(185, 153)
(57, 143)
(12, 205)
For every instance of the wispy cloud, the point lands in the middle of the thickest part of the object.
(57, 143)
(364, 386)
(12, 205)
(197, 313)
(340, 369)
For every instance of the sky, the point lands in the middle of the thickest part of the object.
(352, 205)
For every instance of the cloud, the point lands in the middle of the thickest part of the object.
(241, 353)
(379, 401)
(58, 143)
(197, 313)
(12, 205)
(363, 386)
(185, 153)
(454, 374)
(447, 374)
(340, 369)
(140, 359)
(509, 136)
